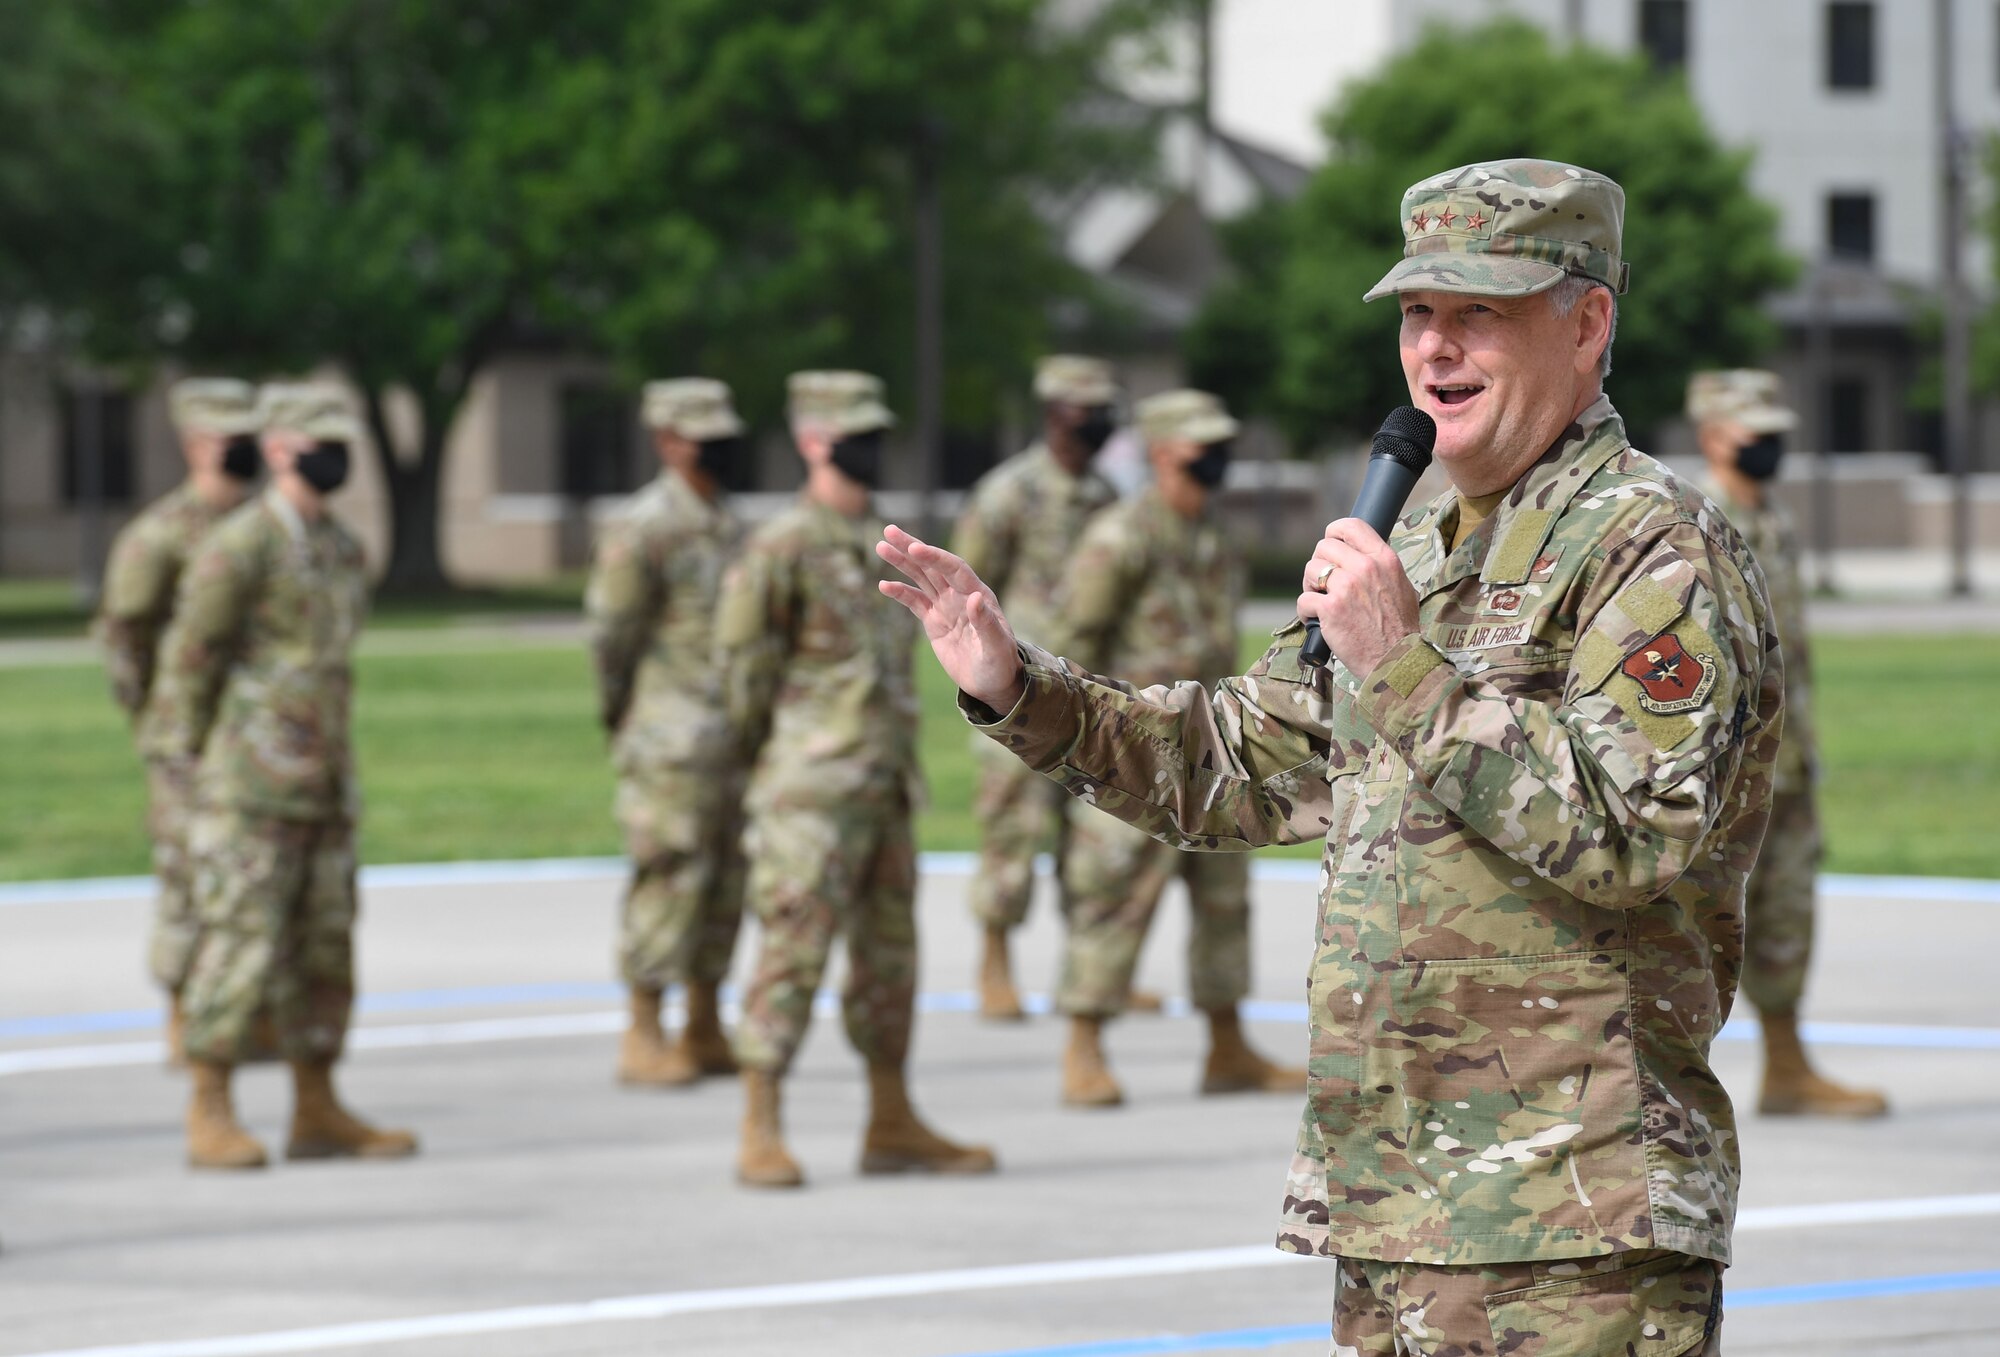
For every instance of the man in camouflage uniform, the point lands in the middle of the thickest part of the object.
(216, 420)
(1019, 526)
(818, 677)
(255, 688)
(652, 609)
(1151, 594)
(1742, 421)
(1541, 769)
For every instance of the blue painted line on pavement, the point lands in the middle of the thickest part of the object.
(1255, 1340)
(127, 1020)
(1298, 871)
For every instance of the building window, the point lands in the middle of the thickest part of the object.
(96, 447)
(595, 442)
(1663, 32)
(1850, 46)
(1850, 226)
(1847, 415)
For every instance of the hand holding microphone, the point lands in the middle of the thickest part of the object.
(1399, 454)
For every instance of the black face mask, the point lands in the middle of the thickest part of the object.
(1098, 425)
(1759, 460)
(240, 459)
(324, 466)
(859, 457)
(716, 455)
(1213, 464)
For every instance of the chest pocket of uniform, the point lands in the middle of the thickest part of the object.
(833, 592)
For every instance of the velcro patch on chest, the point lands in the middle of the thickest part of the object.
(1671, 678)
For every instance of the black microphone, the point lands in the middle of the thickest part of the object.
(1400, 453)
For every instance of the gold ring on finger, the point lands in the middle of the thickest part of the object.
(1325, 574)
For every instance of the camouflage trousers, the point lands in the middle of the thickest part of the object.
(169, 809)
(1113, 877)
(1652, 1303)
(276, 902)
(817, 874)
(1778, 906)
(1020, 814)
(684, 906)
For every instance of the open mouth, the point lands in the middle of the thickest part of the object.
(1450, 394)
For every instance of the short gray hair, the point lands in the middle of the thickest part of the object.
(1563, 298)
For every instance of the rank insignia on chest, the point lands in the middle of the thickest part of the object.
(1544, 568)
(1503, 602)
(1670, 679)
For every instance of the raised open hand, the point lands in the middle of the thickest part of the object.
(960, 615)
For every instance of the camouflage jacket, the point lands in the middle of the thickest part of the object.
(1538, 815)
(1773, 540)
(1150, 596)
(254, 673)
(652, 602)
(139, 583)
(817, 664)
(1020, 525)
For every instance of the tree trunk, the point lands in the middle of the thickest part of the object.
(416, 566)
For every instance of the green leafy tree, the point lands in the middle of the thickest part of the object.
(1703, 248)
(405, 187)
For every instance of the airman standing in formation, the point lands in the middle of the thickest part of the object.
(1150, 595)
(652, 603)
(1741, 420)
(1541, 767)
(1020, 524)
(256, 694)
(216, 421)
(818, 668)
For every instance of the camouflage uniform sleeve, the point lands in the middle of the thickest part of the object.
(213, 604)
(753, 634)
(985, 536)
(1242, 765)
(1099, 583)
(1607, 790)
(138, 597)
(623, 598)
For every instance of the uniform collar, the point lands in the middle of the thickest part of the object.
(295, 525)
(1506, 547)
(682, 496)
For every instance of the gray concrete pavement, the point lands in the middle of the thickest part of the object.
(542, 1185)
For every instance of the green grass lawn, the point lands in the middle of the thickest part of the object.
(496, 755)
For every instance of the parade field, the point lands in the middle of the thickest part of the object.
(554, 1215)
(484, 745)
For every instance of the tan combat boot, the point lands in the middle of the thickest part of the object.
(176, 1038)
(763, 1160)
(703, 1040)
(999, 1001)
(1234, 1068)
(1086, 1079)
(323, 1129)
(645, 1057)
(216, 1140)
(1793, 1089)
(896, 1142)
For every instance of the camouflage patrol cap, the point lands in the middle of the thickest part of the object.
(217, 405)
(317, 409)
(1509, 228)
(1075, 380)
(1751, 397)
(844, 402)
(1184, 415)
(696, 408)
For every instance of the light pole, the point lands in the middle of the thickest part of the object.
(1957, 315)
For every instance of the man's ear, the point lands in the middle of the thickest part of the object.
(1593, 318)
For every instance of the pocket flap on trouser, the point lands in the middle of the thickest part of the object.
(1658, 1308)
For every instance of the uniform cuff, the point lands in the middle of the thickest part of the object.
(1401, 689)
(1040, 723)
